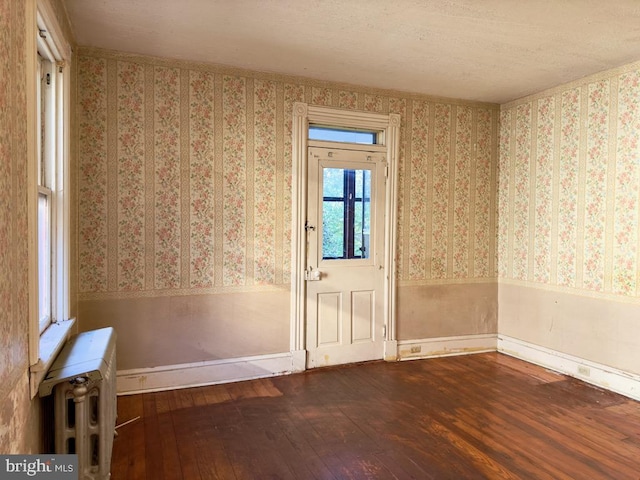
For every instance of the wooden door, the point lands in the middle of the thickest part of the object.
(345, 256)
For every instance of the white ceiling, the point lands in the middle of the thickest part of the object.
(486, 50)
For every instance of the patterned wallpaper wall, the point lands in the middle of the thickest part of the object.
(14, 358)
(569, 179)
(184, 177)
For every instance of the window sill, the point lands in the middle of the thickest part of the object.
(51, 342)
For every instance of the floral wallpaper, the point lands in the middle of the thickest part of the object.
(184, 177)
(13, 183)
(15, 403)
(201, 198)
(569, 186)
(441, 191)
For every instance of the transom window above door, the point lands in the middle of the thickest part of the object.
(343, 135)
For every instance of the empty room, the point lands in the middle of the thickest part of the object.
(190, 186)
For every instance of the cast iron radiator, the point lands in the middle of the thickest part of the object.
(83, 382)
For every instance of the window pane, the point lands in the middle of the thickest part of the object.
(363, 183)
(46, 99)
(332, 229)
(345, 136)
(361, 230)
(44, 260)
(362, 217)
(358, 247)
(346, 213)
(41, 118)
(333, 182)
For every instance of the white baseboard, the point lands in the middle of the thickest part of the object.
(247, 368)
(446, 346)
(609, 378)
(198, 374)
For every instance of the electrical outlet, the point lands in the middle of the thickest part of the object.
(416, 349)
(584, 371)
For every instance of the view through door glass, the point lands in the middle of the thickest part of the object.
(346, 213)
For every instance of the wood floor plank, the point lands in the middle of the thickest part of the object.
(123, 440)
(523, 460)
(537, 373)
(153, 439)
(484, 416)
(213, 462)
(574, 438)
(168, 453)
(131, 437)
(215, 394)
(301, 438)
(265, 388)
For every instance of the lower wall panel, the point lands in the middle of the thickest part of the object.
(159, 331)
(433, 311)
(232, 327)
(601, 330)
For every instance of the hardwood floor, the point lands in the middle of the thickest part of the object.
(484, 416)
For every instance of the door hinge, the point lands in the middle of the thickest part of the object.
(384, 331)
(386, 170)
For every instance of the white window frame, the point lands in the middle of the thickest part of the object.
(388, 142)
(45, 36)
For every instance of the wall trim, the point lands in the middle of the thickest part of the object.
(199, 374)
(580, 292)
(434, 282)
(604, 376)
(446, 346)
(182, 292)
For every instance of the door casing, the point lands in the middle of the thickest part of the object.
(345, 305)
(389, 128)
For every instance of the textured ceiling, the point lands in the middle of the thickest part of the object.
(486, 50)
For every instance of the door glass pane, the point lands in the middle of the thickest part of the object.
(346, 213)
(362, 215)
(332, 229)
(333, 181)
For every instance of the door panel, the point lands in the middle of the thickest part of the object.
(345, 255)
(329, 318)
(362, 316)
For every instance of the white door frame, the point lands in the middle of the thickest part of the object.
(389, 125)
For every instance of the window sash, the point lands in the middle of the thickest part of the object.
(52, 237)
